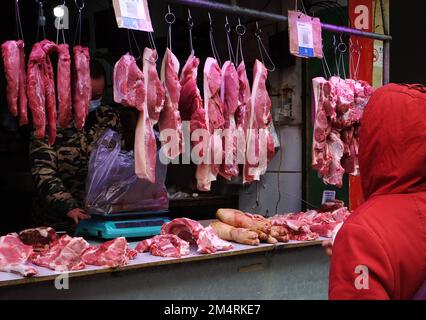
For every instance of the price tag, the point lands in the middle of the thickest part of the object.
(305, 39)
(133, 14)
(328, 196)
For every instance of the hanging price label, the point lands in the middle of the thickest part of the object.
(304, 35)
(132, 14)
(305, 39)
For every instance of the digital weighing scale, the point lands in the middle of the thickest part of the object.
(129, 225)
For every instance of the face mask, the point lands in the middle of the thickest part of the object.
(94, 104)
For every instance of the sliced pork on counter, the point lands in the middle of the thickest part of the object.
(154, 87)
(230, 91)
(170, 123)
(14, 256)
(39, 238)
(82, 85)
(114, 253)
(129, 86)
(63, 84)
(168, 245)
(63, 255)
(145, 142)
(209, 242)
(36, 89)
(49, 82)
(193, 232)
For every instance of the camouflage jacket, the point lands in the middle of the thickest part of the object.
(59, 171)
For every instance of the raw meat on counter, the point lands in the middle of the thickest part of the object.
(63, 84)
(63, 255)
(14, 256)
(230, 89)
(239, 235)
(339, 105)
(170, 123)
(193, 232)
(168, 245)
(310, 225)
(114, 253)
(82, 85)
(39, 238)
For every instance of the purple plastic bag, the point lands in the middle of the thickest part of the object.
(112, 186)
(421, 294)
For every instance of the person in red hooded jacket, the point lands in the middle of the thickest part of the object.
(380, 251)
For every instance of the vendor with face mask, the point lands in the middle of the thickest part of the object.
(59, 171)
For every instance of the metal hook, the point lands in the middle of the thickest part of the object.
(190, 20)
(227, 25)
(212, 42)
(228, 40)
(190, 25)
(262, 47)
(170, 17)
(79, 7)
(240, 29)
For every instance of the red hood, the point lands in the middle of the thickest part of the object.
(392, 154)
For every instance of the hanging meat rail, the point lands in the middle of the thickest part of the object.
(386, 38)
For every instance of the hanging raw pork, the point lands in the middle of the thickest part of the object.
(213, 108)
(14, 66)
(82, 85)
(145, 142)
(170, 123)
(63, 81)
(154, 87)
(246, 120)
(191, 106)
(230, 90)
(36, 90)
(339, 105)
(49, 82)
(261, 103)
(129, 86)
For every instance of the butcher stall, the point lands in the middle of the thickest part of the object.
(235, 162)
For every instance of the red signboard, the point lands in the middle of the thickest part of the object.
(361, 17)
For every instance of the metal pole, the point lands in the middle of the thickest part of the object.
(386, 45)
(217, 6)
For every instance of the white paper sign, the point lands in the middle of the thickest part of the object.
(328, 196)
(305, 39)
(133, 14)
